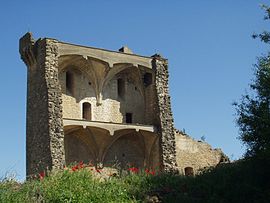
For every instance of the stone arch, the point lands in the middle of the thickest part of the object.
(80, 65)
(131, 69)
(131, 93)
(78, 147)
(154, 157)
(125, 151)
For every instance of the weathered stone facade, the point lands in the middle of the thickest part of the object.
(45, 136)
(105, 107)
(164, 123)
(94, 105)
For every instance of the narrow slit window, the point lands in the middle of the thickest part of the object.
(147, 79)
(69, 82)
(128, 117)
(121, 87)
(87, 111)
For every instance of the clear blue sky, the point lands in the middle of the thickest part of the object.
(208, 44)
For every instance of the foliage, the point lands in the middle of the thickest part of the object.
(253, 114)
(236, 182)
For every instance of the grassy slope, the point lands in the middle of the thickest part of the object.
(243, 181)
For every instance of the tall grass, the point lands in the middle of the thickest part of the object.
(242, 181)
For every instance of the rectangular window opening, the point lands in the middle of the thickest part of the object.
(128, 117)
(86, 111)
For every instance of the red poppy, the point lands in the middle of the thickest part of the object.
(41, 175)
(151, 172)
(98, 170)
(74, 168)
(81, 165)
(133, 170)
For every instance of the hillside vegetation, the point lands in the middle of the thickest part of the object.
(242, 181)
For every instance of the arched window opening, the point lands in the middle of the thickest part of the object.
(189, 171)
(147, 79)
(121, 87)
(87, 111)
(69, 82)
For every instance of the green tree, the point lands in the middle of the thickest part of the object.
(253, 114)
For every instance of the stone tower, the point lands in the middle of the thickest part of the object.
(95, 105)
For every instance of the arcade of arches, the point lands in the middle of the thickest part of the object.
(125, 148)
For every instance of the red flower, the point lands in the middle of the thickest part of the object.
(41, 175)
(81, 165)
(151, 172)
(98, 170)
(74, 168)
(134, 170)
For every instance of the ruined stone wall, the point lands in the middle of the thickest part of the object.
(44, 145)
(150, 104)
(164, 116)
(196, 154)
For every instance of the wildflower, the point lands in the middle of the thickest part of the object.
(81, 165)
(150, 172)
(75, 168)
(133, 170)
(41, 175)
(98, 170)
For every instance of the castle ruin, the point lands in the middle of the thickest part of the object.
(95, 105)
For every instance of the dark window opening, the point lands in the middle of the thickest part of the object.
(189, 171)
(147, 79)
(121, 87)
(87, 111)
(128, 117)
(69, 82)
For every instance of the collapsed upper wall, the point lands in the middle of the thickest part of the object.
(196, 155)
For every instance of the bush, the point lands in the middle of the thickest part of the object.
(242, 181)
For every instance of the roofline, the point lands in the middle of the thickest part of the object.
(78, 45)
